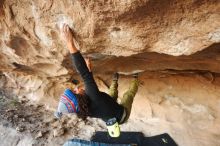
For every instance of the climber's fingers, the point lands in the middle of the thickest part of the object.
(65, 28)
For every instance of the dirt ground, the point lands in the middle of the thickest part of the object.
(25, 124)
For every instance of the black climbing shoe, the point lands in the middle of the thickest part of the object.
(135, 75)
(115, 76)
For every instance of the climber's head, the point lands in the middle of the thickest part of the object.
(73, 102)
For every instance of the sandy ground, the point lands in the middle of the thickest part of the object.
(184, 105)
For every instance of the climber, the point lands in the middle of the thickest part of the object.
(91, 102)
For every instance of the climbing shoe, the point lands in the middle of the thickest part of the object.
(115, 76)
(135, 75)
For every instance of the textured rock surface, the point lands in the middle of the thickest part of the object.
(34, 57)
(30, 29)
(161, 36)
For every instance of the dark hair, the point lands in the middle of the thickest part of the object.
(83, 102)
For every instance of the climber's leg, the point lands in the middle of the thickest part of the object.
(113, 90)
(128, 97)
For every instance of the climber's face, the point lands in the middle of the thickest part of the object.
(79, 90)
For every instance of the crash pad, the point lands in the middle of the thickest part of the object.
(136, 138)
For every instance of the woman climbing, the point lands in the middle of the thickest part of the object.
(92, 102)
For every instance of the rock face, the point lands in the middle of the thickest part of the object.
(30, 34)
(165, 37)
(32, 51)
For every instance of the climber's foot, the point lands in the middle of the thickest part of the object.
(135, 75)
(115, 76)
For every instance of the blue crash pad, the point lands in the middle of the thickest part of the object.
(79, 142)
(101, 138)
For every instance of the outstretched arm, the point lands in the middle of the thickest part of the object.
(82, 66)
(71, 46)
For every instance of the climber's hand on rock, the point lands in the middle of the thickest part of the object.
(68, 36)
